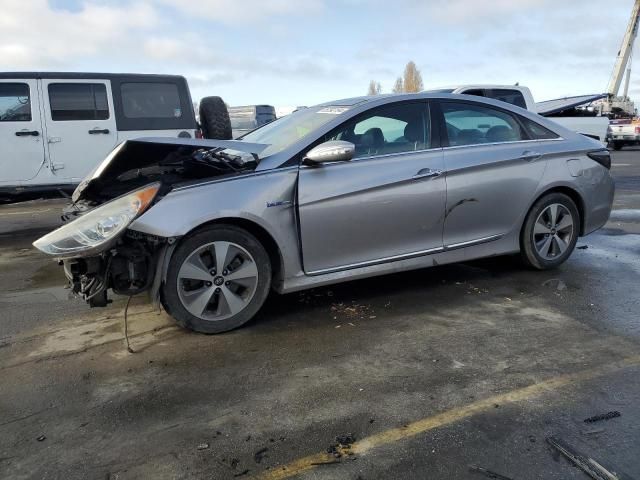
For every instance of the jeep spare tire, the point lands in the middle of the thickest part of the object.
(214, 119)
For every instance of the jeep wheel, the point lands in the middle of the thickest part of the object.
(214, 119)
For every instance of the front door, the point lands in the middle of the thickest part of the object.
(80, 125)
(385, 204)
(21, 136)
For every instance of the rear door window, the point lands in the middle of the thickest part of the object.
(78, 101)
(15, 103)
(514, 97)
(150, 100)
(473, 124)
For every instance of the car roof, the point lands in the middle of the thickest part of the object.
(85, 75)
(478, 85)
(390, 97)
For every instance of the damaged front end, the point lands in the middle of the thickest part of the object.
(128, 268)
(98, 250)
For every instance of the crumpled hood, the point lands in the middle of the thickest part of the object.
(141, 153)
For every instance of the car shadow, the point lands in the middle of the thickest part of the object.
(414, 288)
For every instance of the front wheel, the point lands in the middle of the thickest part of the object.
(550, 231)
(218, 278)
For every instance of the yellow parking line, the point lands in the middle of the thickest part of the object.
(448, 417)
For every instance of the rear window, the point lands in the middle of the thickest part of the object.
(15, 104)
(537, 131)
(514, 97)
(78, 101)
(150, 100)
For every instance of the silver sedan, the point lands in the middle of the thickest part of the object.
(348, 189)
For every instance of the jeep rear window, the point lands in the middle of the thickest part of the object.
(78, 101)
(15, 105)
(150, 100)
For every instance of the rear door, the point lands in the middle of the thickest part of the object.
(21, 136)
(80, 125)
(493, 169)
(385, 204)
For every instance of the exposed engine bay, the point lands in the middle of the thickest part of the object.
(129, 265)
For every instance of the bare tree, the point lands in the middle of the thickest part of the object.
(412, 78)
(399, 86)
(374, 88)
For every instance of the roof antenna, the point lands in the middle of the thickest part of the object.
(517, 84)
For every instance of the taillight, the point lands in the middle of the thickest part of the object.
(199, 133)
(638, 130)
(603, 157)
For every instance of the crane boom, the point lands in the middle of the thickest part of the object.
(625, 51)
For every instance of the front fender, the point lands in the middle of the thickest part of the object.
(266, 199)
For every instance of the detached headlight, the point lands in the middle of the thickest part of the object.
(98, 227)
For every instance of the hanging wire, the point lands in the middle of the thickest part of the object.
(126, 325)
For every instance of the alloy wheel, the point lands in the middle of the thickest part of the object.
(217, 280)
(553, 231)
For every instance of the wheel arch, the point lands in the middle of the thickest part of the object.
(258, 231)
(570, 192)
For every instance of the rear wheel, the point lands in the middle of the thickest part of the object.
(550, 231)
(617, 145)
(218, 278)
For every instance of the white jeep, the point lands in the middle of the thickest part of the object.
(56, 127)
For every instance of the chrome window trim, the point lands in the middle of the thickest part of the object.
(535, 140)
(406, 256)
(433, 149)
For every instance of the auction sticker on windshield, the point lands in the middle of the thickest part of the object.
(333, 110)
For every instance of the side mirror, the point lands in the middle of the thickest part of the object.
(331, 151)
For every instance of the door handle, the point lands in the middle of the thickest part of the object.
(27, 133)
(427, 173)
(529, 155)
(99, 130)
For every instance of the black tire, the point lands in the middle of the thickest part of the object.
(617, 145)
(528, 249)
(214, 119)
(226, 233)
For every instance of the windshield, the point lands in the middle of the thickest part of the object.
(287, 130)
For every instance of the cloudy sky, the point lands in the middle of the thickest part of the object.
(301, 52)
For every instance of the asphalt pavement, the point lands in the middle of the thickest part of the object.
(420, 375)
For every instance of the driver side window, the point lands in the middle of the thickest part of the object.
(386, 130)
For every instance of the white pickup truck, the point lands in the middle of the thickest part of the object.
(592, 126)
(624, 132)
